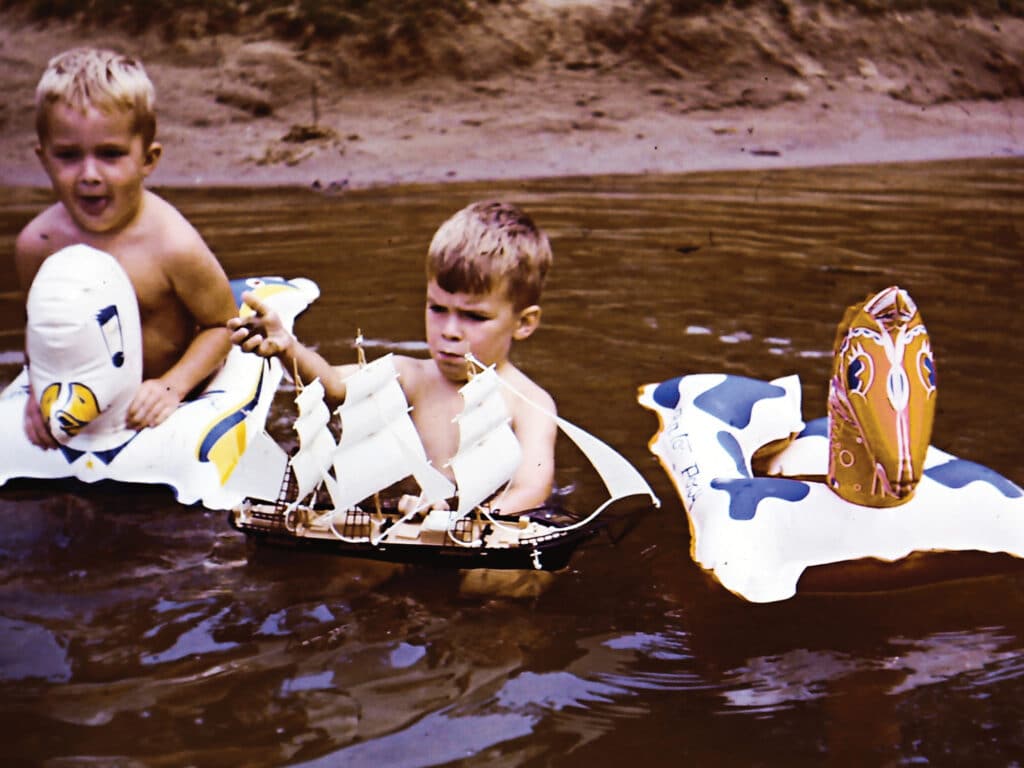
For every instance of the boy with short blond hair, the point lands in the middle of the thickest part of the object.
(96, 124)
(108, 81)
(485, 270)
(488, 241)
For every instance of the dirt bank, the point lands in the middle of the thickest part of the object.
(555, 87)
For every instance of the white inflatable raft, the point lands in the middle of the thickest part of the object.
(84, 341)
(757, 533)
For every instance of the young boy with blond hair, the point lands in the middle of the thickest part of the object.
(485, 271)
(96, 124)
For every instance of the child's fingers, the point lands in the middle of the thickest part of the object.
(255, 303)
(240, 331)
(263, 317)
(247, 332)
(253, 343)
(407, 503)
(249, 339)
(154, 402)
(36, 429)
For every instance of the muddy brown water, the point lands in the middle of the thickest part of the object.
(137, 632)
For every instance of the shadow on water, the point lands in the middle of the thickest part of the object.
(137, 632)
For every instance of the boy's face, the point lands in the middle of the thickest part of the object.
(484, 324)
(96, 162)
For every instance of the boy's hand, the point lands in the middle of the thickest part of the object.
(262, 332)
(152, 405)
(37, 430)
(408, 504)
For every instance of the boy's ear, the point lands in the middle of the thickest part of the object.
(152, 157)
(529, 319)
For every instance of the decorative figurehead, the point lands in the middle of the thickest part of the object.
(84, 344)
(881, 401)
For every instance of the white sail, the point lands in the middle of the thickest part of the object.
(362, 418)
(370, 379)
(434, 486)
(309, 424)
(316, 443)
(485, 467)
(620, 478)
(379, 444)
(489, 453)
(310, 403)
(368, 468)
(311, 464)
(479, 388)
(484, 410)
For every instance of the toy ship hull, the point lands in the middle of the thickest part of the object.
(533, 540)
(328, 499)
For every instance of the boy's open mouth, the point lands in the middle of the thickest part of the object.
(93, 205)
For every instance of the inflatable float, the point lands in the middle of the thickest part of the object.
(772, 500)
(84, 340)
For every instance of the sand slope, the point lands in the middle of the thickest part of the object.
(557, 87)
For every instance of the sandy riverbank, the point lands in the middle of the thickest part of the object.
(769, 91)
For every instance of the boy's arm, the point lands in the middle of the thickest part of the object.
(536, 431)
(156, 399)
(200, 283)
(30, 249)
(264, 334)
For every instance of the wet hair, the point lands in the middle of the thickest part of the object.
(490, 244)
(105, 80)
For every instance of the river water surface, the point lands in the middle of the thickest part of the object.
(134, 631)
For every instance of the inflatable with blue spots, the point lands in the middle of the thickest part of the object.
(751, 475)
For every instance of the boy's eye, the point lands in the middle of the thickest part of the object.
(66, 153)
(476, 317)
(436, 308)
(111, 153)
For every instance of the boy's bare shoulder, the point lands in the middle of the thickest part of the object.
(169, 227)
(528, 388)
(422, 382)
(47, 233)
(413, 372)
(33, 242)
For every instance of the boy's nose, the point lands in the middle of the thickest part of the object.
(90, 170)
(452, 328)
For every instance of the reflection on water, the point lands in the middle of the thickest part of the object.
(136, 632)
(766, 683)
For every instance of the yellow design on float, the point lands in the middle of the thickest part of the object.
(227, 451)
(262, 291)
(74, 411)
(47, 399)
(224, 441)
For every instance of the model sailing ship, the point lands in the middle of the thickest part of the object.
(329, 499)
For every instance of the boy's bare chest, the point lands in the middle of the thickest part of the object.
(434, 417)
(135, 253)
(153, 288)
